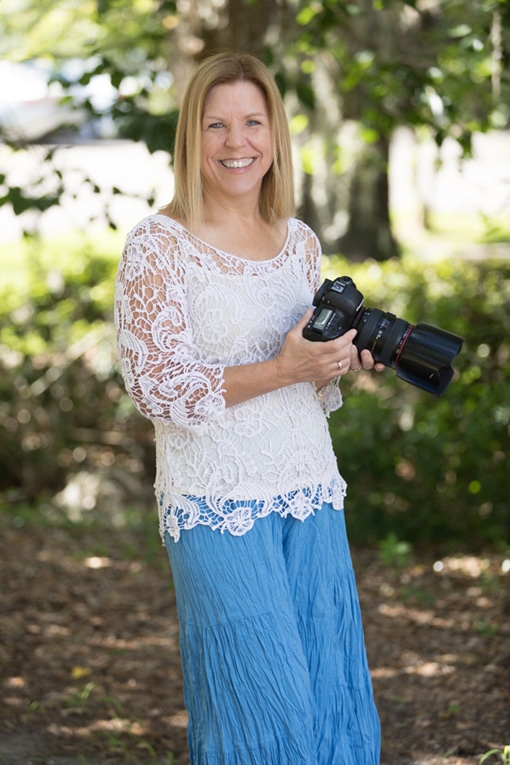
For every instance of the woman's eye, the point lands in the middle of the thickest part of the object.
(216, 125)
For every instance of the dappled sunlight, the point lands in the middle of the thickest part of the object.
(180, 720)
(468, 565)
(437, 639)
(92, 640)
(411, 614)
(416, 667)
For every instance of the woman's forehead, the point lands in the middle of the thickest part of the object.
(241, 93)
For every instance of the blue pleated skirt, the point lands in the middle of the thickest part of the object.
(272, 646)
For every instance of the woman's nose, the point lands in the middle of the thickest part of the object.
(235, 136)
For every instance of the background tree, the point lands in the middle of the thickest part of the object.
(442, 66)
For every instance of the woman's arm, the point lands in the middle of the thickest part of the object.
(299, 361)
(161, 367)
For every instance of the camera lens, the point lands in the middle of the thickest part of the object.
(382, 333)
(421, 354)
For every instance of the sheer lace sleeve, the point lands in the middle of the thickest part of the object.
(161, 366)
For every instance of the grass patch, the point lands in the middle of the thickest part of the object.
(470, 228)
(48, 255)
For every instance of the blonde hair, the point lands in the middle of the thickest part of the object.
(277, 193)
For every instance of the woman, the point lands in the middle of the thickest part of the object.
(212, 297)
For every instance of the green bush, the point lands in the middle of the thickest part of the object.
(432, 470)
(63, 406)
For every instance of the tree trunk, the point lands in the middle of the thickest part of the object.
(243, 26)
(369, 233)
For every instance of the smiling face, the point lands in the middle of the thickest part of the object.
(236, 141)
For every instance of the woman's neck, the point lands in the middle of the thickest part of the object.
(242, 232)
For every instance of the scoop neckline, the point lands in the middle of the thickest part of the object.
(224, 252)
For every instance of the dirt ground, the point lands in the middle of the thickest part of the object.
(90, 670)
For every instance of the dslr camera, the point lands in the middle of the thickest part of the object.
(421, 354)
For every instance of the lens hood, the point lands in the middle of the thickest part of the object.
(425, 358)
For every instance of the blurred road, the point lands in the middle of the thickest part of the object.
(422, 174)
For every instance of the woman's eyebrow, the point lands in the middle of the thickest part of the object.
(212, 116)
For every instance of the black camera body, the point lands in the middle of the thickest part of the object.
(421, 354)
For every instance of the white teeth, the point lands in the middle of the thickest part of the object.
(233, 163)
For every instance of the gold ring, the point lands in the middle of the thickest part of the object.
(357, 370)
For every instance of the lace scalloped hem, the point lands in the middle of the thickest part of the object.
(178, 513)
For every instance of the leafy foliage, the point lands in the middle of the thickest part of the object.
(63, 404)
(440, 65)
(427, 469)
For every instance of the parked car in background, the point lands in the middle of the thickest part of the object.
(35, 107)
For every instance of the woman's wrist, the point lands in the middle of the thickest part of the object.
(244, 382)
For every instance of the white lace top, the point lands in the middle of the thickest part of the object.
(184, 311)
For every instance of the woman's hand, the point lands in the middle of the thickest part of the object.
(320, 363)
(302, 360)
(363, 360)
(299, 360)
